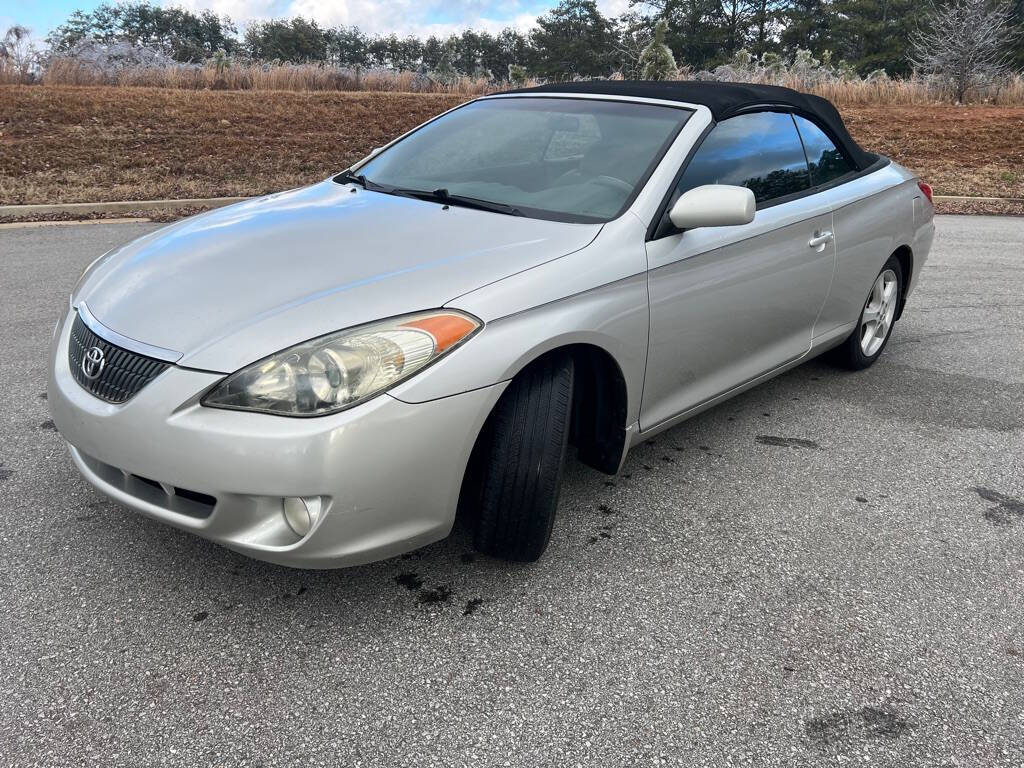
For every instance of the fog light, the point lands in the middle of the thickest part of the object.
(301, 513)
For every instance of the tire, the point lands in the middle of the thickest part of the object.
(864, 345)
(515, 473)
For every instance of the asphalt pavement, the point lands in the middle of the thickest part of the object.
(827, 570)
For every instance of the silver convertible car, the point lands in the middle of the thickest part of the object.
(329, 375)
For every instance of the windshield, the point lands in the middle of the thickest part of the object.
(564, 159)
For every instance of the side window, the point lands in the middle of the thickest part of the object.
(826, 161)
(761, 151)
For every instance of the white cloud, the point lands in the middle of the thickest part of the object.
(376, 16)
(240, 11)
(371, 15)
(417, 17)
(613, 8)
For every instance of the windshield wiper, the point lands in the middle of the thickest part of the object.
(347, 177)
(442, 195)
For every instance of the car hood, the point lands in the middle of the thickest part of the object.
(234, 285)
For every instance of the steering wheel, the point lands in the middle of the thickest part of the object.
(611, 181)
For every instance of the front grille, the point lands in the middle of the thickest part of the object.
(122, 374)
(181, 501)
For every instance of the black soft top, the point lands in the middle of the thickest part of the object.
(725, 100)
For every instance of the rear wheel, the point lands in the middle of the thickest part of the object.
(515, 472)
(864, 346)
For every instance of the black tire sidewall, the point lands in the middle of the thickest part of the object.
(519, 462)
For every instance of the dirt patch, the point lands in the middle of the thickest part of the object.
(975, 151)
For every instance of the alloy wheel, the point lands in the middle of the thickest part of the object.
(879, 311)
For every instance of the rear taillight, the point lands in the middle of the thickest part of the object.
(927, 189)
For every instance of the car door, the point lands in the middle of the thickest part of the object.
(728, 304)
(867, 212)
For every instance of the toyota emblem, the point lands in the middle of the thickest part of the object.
(93, 363)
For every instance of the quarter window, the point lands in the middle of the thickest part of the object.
(825, 160)
(760, 151)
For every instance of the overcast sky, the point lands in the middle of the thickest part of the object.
(421, 17)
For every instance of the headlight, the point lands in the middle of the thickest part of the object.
(333, 372)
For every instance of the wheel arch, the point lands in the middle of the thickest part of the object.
(905, 256)
(600, 406)
(600, 403)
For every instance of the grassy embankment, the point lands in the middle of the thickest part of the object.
(86, 144)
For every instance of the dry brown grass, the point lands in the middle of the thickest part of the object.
(910, 92)
(317, 77)
(256, 77)
(64, 144)
(9, 75)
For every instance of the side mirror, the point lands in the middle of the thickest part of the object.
(713, 205)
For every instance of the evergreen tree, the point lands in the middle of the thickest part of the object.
(874, 34)
(809, 25)
(433, 52)
(445, 71)
(297, 41)
(507, 49)
(184, 35)
(347, 47)
(735, 26)
(695, 31)
(765, 18)
(573, 40)
(657, 61)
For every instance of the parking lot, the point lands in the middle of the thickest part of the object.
(828, 569)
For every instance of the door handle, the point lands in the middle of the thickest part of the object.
(820, 239)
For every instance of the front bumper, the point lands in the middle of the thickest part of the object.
(388, 472)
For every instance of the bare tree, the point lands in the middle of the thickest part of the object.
(964, 45)
(18, 56)
(634, 34)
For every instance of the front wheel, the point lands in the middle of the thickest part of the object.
(864, 346)
(516, 470)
